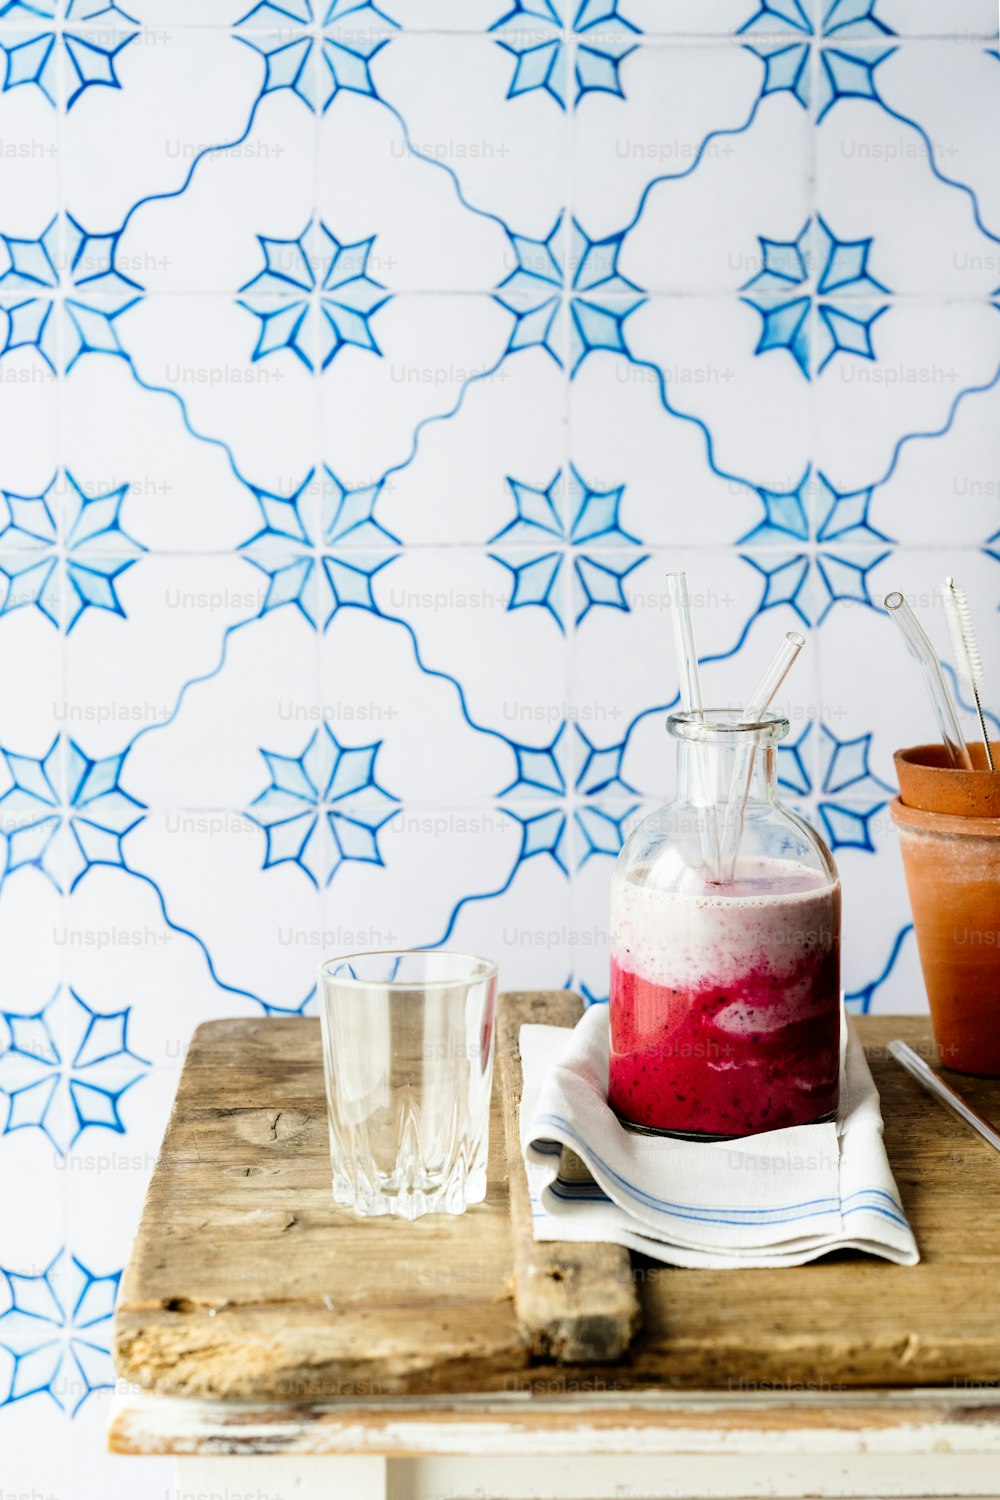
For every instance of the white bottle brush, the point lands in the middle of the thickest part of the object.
(968, 661)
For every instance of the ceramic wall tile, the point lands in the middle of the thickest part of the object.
(449, 15)
(970, 21)
(929, 361)
(363, 371)
(874, 171)
(692, 18)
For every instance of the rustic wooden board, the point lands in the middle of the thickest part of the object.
(247, 1281)
(574, 1303)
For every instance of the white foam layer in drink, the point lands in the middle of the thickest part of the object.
(698, 934)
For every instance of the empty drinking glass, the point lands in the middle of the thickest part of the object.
(408, 1057)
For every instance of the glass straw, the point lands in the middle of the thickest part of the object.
(742, 776)
(937, 688)
(691, 702)
(687, 656)
(763, 694)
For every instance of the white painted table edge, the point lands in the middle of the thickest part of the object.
(952, 1419)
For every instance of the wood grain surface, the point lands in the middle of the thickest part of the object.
(246, 1280)
(575, 1303)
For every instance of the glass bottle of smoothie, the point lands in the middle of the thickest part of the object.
(725, 962)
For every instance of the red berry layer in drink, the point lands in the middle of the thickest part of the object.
(725, 1003)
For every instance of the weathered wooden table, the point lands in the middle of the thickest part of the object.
(278, 1344)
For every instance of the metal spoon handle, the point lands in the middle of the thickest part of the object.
(935, 1084)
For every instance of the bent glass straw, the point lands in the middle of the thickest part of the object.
(691, 702)
(941, 699)
(739, 786)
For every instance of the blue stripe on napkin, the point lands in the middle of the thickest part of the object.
(780, 1214)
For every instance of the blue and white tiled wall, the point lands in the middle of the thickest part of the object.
(362, 372)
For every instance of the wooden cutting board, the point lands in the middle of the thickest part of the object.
(574, 1302)
(246, 1280)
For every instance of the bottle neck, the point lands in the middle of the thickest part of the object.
(708, 773)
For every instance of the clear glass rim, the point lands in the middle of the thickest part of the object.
(719, 725)
(479, 969)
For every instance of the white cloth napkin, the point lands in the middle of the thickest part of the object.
(777, 1199)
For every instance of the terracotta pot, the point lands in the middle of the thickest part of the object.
(949, 834)
(927, 781)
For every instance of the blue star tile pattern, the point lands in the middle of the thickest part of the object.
(56, 1330)
(542, 833)
(321, 547)
(547, 45)
(601, 297)
(848, 827)
(781, 31)
(567, 295)
(793, 764)
(316, 50)
(65, 1068)
(323, 807)
(851, 794)
(847, 769)
(785, 514)
(842, 516)
(327, 295)
(64, 813)
(785, 326)
(533, 291)
(804, 293)
(847, 43)
(569, 770)
(62, 293)
(600, 767)
(602, 831)
(541, 772)
(812, 583)
(568, 526)
(54, 50)
(63, 550)
(814, 510)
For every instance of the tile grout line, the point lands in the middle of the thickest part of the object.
(708, 39)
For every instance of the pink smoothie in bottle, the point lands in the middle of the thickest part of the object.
(725, 1000)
